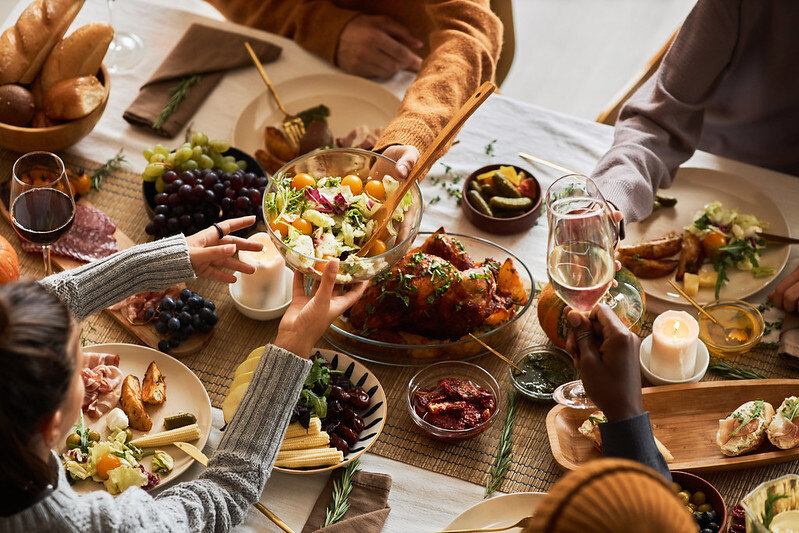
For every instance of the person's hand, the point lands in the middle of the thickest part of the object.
(308, 317)
(405, 155)
(786, 294)
(209, 252)
(377, 46)
(606, 354)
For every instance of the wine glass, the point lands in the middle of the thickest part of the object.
(41, 204)
(125, 51)
(580, 256)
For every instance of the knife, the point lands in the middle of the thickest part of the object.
(201, 458)
(778, 238)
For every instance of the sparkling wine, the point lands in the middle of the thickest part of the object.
(580, 273)
(42, 215)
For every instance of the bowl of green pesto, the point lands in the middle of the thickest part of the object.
(545, 369)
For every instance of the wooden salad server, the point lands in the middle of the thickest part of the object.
(426, 160)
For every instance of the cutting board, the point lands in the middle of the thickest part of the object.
(685, 419)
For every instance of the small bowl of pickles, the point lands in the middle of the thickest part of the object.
(738, 328)
(501, 199)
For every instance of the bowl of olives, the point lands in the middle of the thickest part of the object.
(702, 500)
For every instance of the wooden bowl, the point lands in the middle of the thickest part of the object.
(53, 138)
(694, 483)
(498, 225)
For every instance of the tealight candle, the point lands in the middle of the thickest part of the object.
(674, 338)
(266, 287)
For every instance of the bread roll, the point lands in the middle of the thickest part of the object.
(40, 120)
(25, 46)
(79, 54)
(73, 98)
(16, 105)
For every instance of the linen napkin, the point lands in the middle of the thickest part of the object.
(203, 50)
(368, 505)
(789, 339)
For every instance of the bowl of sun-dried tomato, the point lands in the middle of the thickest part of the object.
(453, 400)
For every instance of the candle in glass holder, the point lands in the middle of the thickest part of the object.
(674, 338)
(266, 287)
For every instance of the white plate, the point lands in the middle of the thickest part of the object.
(185, 393)
(694, 188)
(499, 511)
(352, 101)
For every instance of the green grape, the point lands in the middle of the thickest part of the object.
(220, 146)
(217, 158)
(182, 155)
(196, 153)
(199, 139)
(191, 164)
(158, 157)
(148, 153)
(206, 162)
(186, 145)
(229, 159)
(159, 184)
(160, 149)
(170, 159)
(242, 164)
(229, 167)
(152, 171)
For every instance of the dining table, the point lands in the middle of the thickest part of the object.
(420, 499)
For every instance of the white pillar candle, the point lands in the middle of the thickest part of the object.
(266, 287)
(674, 338)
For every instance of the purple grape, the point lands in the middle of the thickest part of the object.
(243, 203)
(169, 176)
(255, 197)
(209, 181)
(151, 229)
(161, 198)
(236, 181)
(185, 221)
(177, 184)
(209, 197)
(230, 193)
(227, 204)
(172, 225)
(174, 199)
(178, 210)
(185, 191)
(199, 219)
(159, 220)
(161, 210)
(244, 191)
(262, 181)
(186, 175)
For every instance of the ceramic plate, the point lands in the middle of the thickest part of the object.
(694, 188)
(373, 418)
(185, 393)
(499, 511)
(352, 101)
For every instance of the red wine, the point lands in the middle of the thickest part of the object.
(580, 272)
(42, 216)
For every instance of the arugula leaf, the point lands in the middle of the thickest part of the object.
(768, 513)
(317, 404)
(754, 413)
(314, 114)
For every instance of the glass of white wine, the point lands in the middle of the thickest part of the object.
(126, 50)
(580, 256)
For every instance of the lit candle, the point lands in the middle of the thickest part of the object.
(674, 338)
(266, 287)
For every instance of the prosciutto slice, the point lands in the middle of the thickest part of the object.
(785, 428)
(728, 425)
(134, 307)
(103, 386)
(94, 359)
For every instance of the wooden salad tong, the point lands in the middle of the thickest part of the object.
(426, 160)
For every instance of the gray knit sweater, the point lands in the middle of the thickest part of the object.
(240, 467)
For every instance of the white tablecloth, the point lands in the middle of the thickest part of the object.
(420, 500)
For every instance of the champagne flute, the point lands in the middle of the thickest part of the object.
(580, 256)
(41, 204)
(125, 50)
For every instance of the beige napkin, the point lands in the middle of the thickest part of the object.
(368, 505)
(789, 339)
(202, 50)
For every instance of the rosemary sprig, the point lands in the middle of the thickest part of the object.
(115, 163)
(340, 504)
(176, 96)
(768, 508)
(504, 450)
(728, 370)
(489, 149)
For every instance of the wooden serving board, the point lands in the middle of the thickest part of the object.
(685, 419)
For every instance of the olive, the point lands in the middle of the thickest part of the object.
(352, 420)
(339, 444)
(698, 517)
(337, 393)
(330, 425)
(713, 515)
(93, 435)
(347, 434)
(684, 496)
(676, 487)
(708, 530)
(713, 527)
(704, 508)
(73, 440)
(334, 408)
(699, 498)
(692, 507)
(359, 399)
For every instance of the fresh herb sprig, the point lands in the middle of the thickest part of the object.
(340, 504)
(113, 164)
(769, 512)
(728, 256)
(729, 370)
(489, 149)
(754, 412)
(504, 450)
(176, 97)
(83, 433)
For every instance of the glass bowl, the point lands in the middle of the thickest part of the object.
(545, 357)
(339, 162)
(756, 502)
(345, 338)
(750, 324)
(429, 377)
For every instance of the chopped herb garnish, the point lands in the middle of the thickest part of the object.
(489, 149)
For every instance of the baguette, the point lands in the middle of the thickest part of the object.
(79, 54)
(744, 429)
(590, 430)
(73, 98)
(131, 403)
(783, 431)
(24, 47)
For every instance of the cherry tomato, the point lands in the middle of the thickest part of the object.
(107, 463)
(712, 241)
(375, 189)
(303, 226)
(328, 257)
(379, 247)
(279, 226)
(81, 184)
(353, 182)
(301, 181)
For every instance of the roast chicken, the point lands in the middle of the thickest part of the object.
(436, 290)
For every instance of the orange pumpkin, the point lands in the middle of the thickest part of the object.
(553, 320)
(9, 263)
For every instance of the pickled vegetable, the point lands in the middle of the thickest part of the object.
(479, 203)
(511, 204)
(504, 186)
(179, 421)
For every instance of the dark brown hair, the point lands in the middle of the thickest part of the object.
(36, 368)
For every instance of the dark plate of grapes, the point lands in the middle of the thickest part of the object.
(192, 200)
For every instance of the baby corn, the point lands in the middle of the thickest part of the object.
(185, 434)
(296, 430)
(305, 442)
(311, 457)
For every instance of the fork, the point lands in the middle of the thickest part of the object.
(292, 124)
(521, 523)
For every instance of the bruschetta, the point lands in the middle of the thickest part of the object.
(744, 429)
(783, 431)
(590, 430)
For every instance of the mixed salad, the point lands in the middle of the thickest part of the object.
(331, 217)
(731, 240)
(113, 461)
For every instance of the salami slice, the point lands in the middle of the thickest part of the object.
(90, 237)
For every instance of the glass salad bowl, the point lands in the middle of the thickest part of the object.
(421, 351)
(332, 203)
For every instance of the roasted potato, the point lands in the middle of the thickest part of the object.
(153, 389)
(665, 246)
(278, 145)
(132, 404)
(648, 268)
(691, 256)
(510, 284)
